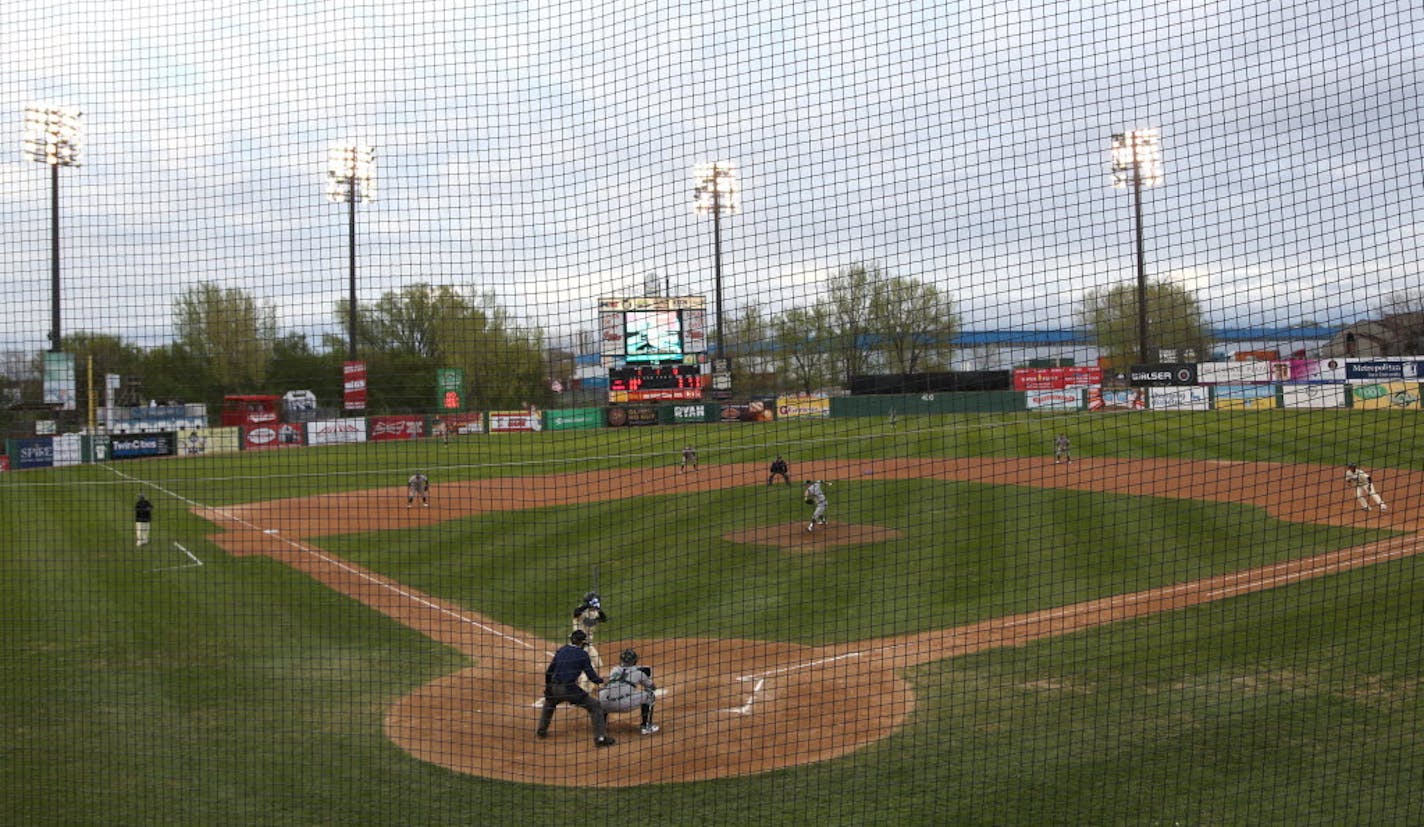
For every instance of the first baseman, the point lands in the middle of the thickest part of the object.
(1364, 484)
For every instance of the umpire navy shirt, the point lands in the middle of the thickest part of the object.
(568, 663)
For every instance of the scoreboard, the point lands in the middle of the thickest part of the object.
(655, 383)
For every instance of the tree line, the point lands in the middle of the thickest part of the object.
(863, 320)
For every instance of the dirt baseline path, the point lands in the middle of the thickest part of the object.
(739, 707)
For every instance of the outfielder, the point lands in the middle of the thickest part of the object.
(815, 495)
(1364, 487)
(630, 687)
(587, 615)
(561, 686)
(417, 486)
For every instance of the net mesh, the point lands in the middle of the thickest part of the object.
(1077, 312)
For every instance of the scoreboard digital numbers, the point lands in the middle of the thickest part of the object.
(655, 383)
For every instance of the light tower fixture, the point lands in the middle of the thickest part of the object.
(53, 136)
(716, 193)
(351, 177)
(1137, 163)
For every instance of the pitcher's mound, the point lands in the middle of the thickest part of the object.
(795, 537)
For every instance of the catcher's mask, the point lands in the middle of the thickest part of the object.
(628, 658)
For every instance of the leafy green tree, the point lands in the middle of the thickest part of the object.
(294, 365)
(848, 313)
(228, 329)
(408, 333)
(1174, 320)
(802, 334)
(913, 323)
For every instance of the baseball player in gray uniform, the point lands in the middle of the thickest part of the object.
(1062, 452)
(1364, 485)
(629, 687)
(815, 494)
(417, 486)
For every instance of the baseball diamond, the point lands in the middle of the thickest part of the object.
(472, 722)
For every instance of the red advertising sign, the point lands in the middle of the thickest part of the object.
(353, 385)
(463, 424)
(1057, 379)
(408, 426)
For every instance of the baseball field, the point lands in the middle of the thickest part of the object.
(1191, 623)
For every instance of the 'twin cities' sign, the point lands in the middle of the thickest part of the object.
(1179, 373)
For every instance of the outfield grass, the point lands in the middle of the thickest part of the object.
(139, 688)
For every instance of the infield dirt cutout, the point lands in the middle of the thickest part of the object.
(739, 707)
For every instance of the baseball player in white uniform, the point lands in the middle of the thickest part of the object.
(815, 494)
(587, 616)
(1365, 491)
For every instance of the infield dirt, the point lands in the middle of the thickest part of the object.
(739, 707)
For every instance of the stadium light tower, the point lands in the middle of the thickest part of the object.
(1137, 163)
(717, 193)
(53, 136)
(351, 177)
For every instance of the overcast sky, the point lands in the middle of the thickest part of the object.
(544, 152)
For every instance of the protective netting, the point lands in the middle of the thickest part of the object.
(1091, 336)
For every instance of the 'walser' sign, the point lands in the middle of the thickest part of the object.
(1176, 373)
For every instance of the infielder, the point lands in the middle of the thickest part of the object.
(1364, 487)
(561, 686)
(417, 486)
(1061, 450)
(630, 687)
(815, 494)
(587, 615)
(689, 459)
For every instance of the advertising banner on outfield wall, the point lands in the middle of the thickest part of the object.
(1308, 371)
(803, 405)
(1313, 396)
(1233, 373)
(336, 431)
(1179, 399)
(132, 446)
(691, 414)
(32, 452)
(464, 424)
(1244, 397)
(619, 416)
(504, 422)
(281, 435)
(397, 426)
(1056, 379)
(197, 442)
(1116, 399)
(1401, 396)
(757, 410)
(1381, 370)
(1057, 400)
(1177, 373)
(573, 419)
